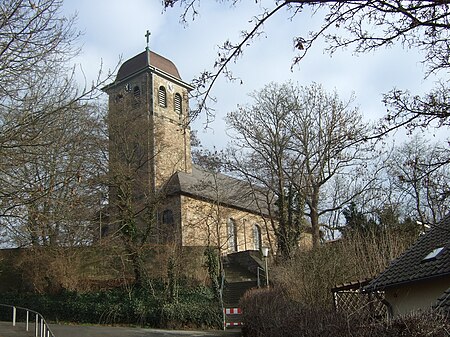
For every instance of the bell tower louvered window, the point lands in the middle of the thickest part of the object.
(137, 96)
(162, 97)
(137, 92)
(177, 103)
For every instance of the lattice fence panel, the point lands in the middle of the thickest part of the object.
(355, 302)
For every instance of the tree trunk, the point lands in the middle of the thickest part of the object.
(314, 216)
(136, 262)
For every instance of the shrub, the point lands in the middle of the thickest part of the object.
(309, 277)
(269, 312)
(196, 307)
(423, 324)
(190, 315)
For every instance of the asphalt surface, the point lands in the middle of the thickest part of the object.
(7, 330)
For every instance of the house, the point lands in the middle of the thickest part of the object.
(420, 278)
(152, 174)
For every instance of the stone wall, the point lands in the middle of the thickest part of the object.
(205, 223)
(172, 136)
(46, 269)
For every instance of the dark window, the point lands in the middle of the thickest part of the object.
(232, 236)
(257, 237)
(136, 95)
(162, 97)
(177, 103)
(167, 217)
(137, 92)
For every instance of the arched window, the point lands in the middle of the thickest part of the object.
(232, 235)
(162, 97)
(167, 217)
(257, 237)
(168, 232)
(136, 96)
(177, 104)
(137, 92)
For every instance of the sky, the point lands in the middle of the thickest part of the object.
(114, 30)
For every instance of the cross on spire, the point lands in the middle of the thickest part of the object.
(147, 35)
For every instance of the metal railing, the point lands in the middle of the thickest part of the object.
(222, 286)
(261, 277)
(41, 328)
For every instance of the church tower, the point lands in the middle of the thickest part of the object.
(156, 194)
(149, 137)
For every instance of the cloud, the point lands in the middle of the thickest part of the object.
(114, 28)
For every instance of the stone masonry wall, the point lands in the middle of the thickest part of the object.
(205, 223)
(172, 136)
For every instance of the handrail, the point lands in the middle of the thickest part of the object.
(260, 275)
(222, 285)
(41, 328)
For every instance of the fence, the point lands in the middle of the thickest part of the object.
(41, 328)
(261, 277)
(349, 298)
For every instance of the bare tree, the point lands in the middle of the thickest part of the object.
(49, 127)
(327, 132)
(133, 198)
(50, 192)
(422, 189)
(214, 216)
(365, 26)
(262, 152)
(292, 141)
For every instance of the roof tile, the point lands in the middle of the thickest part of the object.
(142, 61)
(220, 188)
(443, 302)
(411, 266)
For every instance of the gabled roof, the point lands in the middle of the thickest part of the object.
(413, 266)
(217, 187)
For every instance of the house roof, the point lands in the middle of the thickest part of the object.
(353, 286)
(413, 265)
(217, 187)
(443, 302)
(142, 61)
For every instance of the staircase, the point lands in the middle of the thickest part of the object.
(240, 275)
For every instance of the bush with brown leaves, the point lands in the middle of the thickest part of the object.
(269, 312)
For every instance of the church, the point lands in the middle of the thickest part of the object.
(153, 179)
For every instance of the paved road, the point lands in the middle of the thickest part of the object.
(98, 331)
(6, 330)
